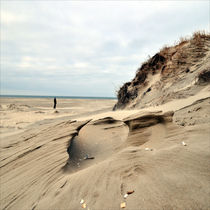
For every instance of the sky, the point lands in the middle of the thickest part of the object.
(87, 48)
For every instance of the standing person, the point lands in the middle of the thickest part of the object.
(55, 102)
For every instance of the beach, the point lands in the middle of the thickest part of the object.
(84, 155)
(105, 105)
(147, 149)
(16, 113)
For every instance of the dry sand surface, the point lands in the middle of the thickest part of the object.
(153, 154)
(87, 156)
(18, 113)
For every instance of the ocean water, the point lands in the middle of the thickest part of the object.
(64, 97)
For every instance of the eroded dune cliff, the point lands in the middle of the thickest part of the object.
(175, 72)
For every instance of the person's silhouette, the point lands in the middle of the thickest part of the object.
(55, 102)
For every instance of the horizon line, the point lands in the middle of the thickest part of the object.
(57, 96)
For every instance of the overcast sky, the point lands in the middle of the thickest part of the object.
(87, 48)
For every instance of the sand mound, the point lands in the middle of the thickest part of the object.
(175, 72)
(197, 113)
(95, 143)
(12, 106)
(17, 107)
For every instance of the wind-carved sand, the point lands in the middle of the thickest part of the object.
(154, 157)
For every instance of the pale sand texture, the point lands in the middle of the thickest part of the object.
(88, 156)
(18, 113)
(36, 172)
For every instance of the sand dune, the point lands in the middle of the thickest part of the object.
(85, 155)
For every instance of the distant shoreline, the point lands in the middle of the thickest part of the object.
(64, 97)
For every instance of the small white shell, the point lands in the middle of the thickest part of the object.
(126, 195)
(184, 144)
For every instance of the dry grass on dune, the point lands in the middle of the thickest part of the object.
(171, 63)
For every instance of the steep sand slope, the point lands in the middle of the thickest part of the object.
(46, 168)
(173, 73)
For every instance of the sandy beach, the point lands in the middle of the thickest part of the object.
(104, 105)
(18, 113)
(88, 156)
(148, 150)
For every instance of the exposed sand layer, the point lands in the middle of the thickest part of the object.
(176, 72)
(91, 160)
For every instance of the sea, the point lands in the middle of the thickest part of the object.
(64, 97)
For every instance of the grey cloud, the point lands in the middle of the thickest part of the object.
(70, 47)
